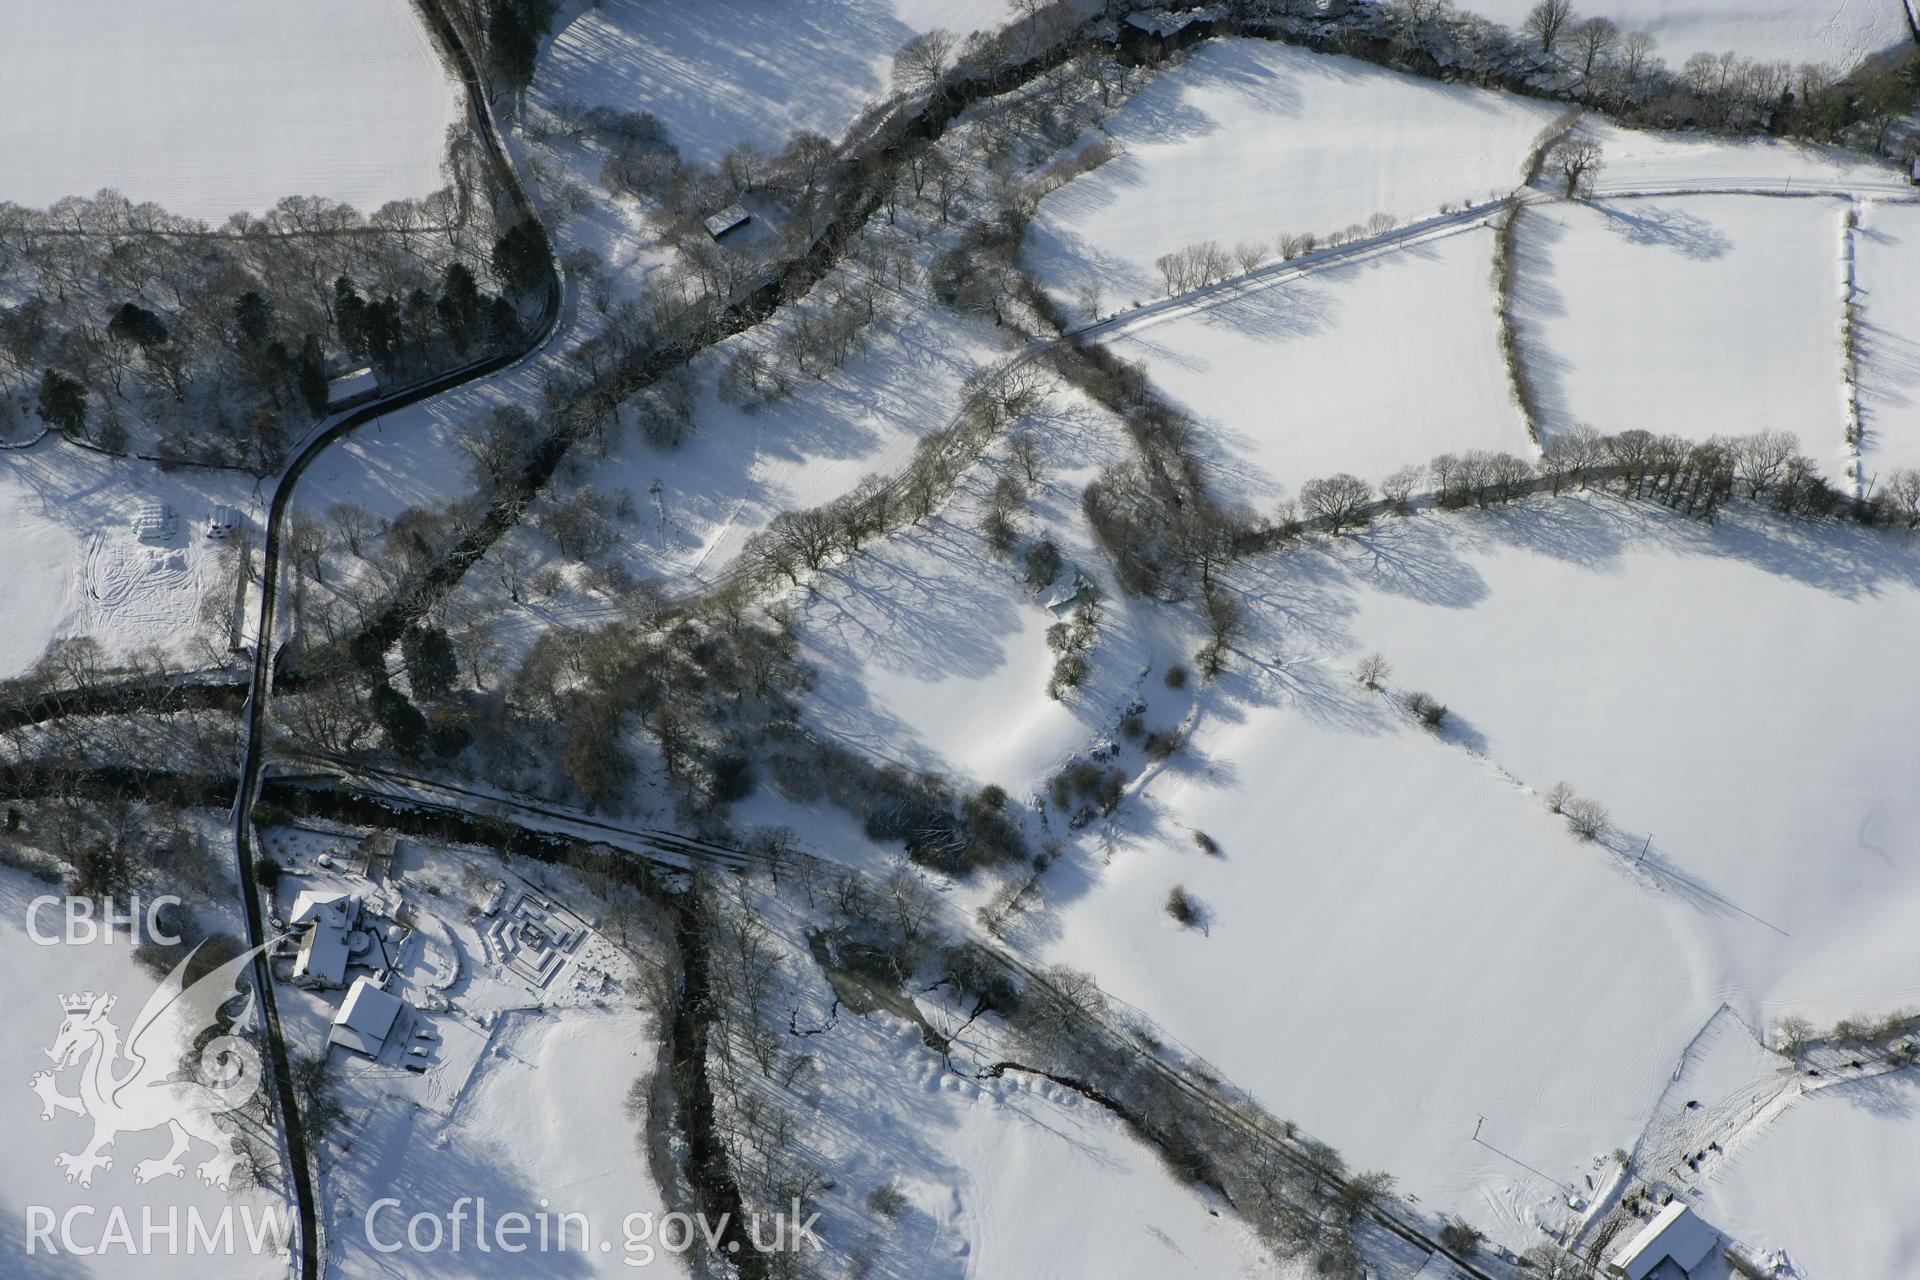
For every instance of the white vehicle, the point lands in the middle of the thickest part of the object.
(222, 521)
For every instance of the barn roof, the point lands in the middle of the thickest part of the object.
(718, 224)
(366, 1017)
(1673, 1233)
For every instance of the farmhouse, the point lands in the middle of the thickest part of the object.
(729, 218)
(366, 1018)
(326, 948)
(1667, 1248)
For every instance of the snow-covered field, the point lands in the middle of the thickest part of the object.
(1837, 32)
(1361, 367)
(1415, 942)
(1249, 141)
(30, 1182)
(1696, 315)
(740, 469)
(1649, 160)
(930, 650)
(730, 71)
(212, 106)
(1831, 1182)
(1886, 249)
(74, 565)
(1011, 1177)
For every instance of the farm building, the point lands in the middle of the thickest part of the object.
(324, 952)
(352, 389)
(366, 1017)
(728, 219)
(1667, 1248)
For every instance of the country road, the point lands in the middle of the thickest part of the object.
(557, 307)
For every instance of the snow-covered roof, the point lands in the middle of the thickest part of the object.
(718, 224)
(365, 1018)
(323, 955)
(1673, 1233)
(353, 385)
(330, 906)
(1161, 23)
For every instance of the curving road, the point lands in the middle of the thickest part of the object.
(556, 319)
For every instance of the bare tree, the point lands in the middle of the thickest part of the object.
(1639, 57)
(1792, 1034)
(1577, 161)
(1585, 818)
(1548, 21)
(1224, 619)
(1371, 670)
(1337, 500)
(1762, 459)
(923, 60)
(1903, 492)
(1593, 41)
(355, 525)
(497, 444)
(1399, 486)
(1024, 452)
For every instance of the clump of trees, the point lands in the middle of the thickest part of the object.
(1586, 818)
(1086, 789)
(137, 329)
(1622, 72)
(1425, 708)
(1071, 640)
(1184, 908)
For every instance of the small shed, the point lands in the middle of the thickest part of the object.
(351, 389)
(1668, 1248)
(731, 218)
(366, 1018)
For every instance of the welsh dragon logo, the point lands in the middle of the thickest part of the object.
(138, 1084)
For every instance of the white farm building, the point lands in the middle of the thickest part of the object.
(328, 943)
(1667, 1248)
(366, 1017)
